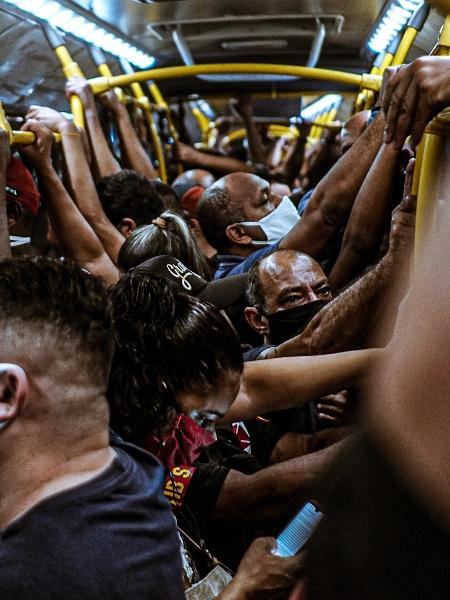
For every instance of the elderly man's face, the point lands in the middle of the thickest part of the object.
(292, 279)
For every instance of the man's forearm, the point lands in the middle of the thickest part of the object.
(333, 198)
(222, 164)
(368, 218)
(276, 384)
(85, 193)
(104, 160)
(135, 156)
(269, 497)
(75, 236)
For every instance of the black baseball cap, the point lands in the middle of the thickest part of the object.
(221, 293)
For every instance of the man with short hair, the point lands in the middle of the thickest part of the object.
(284, 291)
(129, 199)
(238, 214)
(79, 518)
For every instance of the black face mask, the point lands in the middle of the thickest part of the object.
(286, 324)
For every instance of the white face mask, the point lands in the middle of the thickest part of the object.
(17, 240)
(276, 224)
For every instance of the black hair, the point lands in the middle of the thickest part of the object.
(253, 290)
(167, 343)
(215, 211)
(128, 194)
(41, 292)
(168, 196)
(171, 236)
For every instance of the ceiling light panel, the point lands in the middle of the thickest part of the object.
(79, 26)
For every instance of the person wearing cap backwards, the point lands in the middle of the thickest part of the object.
(189, 186)
(177, 369)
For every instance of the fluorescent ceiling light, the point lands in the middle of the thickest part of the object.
(318, 107)
(395, 18)
(82, 28)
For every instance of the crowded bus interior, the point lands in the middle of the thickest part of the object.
(224, 279)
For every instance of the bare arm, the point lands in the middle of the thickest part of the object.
(333, 197)
(245, 109)
(5, 247)
(352, 316)
(82, 184)
(223, 164)
(271, 495)
(75, 236)
(134, 155)
(295, 157)
(104, 161)
(276, 384)
(367, 221)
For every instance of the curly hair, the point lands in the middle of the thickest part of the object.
(128, 194)
(167, 343)
(172, 236)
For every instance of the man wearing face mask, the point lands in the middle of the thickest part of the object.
(244, 221)
(284, 291)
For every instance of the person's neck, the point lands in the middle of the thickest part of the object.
(36, 471)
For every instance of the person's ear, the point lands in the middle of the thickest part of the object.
(256, 320)
(13, 391)
(237, 235)
(126, 227)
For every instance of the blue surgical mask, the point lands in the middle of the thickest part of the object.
(276, 224)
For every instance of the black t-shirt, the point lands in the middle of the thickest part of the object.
(227, 540)
(113, 537)
(376, 540)
(265, 434)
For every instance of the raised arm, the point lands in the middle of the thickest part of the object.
(295, 156)
(279, 383)
(76, 238)
(245, 108)
(133, 153)
(191, 157)
(352, 317)
(103, 159)
(367, 222)
(5, 247)
(80, 178)
(333, 197)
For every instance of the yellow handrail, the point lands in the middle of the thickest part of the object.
(369, 81)
(71, 69)
(144, 101)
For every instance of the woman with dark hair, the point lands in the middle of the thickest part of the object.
(174, 353)
(167, 234)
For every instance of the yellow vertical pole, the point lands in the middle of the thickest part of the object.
(431, 149)
(144, 101)
(70, 69)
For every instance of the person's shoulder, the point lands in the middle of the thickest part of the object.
(257, 353)
(246, 264)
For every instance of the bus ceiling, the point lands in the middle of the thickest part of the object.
(331, 34)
